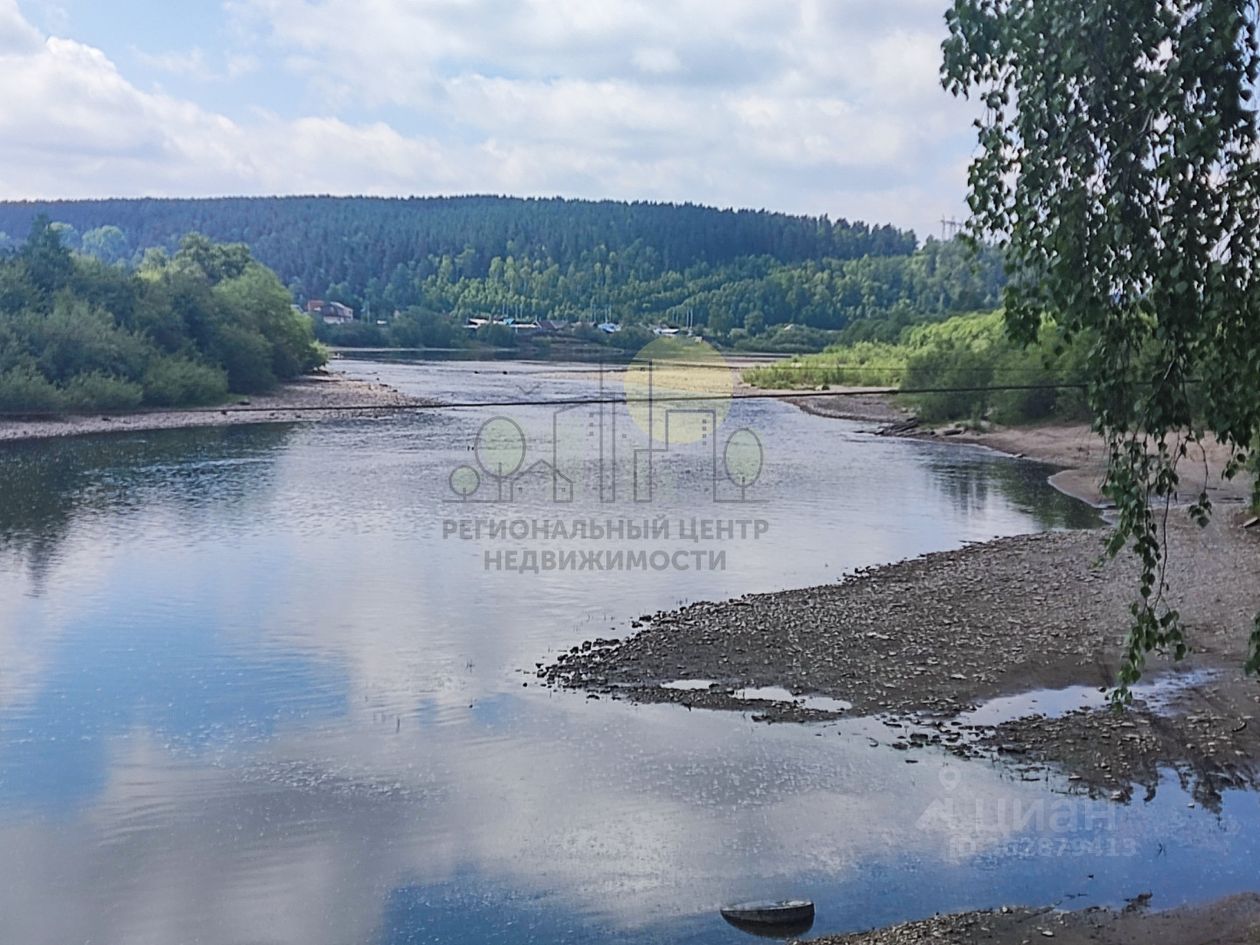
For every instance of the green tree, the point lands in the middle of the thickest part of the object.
(1118, 171)
(77, 334)
(48, 264)
(256, 298)
(106, 243)
(214, 262)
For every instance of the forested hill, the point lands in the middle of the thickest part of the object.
(727, 271)
(325, 241)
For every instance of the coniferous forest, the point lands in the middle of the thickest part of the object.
(741, 275)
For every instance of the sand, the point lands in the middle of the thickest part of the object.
(322, 396)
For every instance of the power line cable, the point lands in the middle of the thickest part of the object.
(575, 401)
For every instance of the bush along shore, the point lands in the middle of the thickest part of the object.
(77, 335)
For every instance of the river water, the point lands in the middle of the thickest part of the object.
(269, 685)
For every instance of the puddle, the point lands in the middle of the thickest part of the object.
(689, 685)
(1048, 703)
(778, 694)
(764, 694)
(1056, 703)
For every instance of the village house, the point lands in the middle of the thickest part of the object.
(333, 313)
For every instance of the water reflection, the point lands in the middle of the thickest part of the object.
(46, 485)
(1020, 483)
(250, 692)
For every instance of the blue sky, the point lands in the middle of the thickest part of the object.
(816, 106)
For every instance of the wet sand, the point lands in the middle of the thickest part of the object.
(323, 396)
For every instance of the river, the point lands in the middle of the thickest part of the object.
(277, 684)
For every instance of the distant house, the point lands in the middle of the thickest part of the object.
(666, 331)
(333, 313)
(610, 328)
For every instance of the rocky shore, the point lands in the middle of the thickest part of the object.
(1233, 920)
(922, 642)
(323, 396)
(926, 646)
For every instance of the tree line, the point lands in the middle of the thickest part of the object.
(728, 271)
(361, 242)
(178, 329)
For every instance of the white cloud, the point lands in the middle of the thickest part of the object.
(72, 125)
(16, 34)
(802, 106)
(657, 61)
(676, 97)
(195, 64)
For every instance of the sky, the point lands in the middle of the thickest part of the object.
(803, 106)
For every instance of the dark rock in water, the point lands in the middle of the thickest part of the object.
(781, 920)
(899, 429)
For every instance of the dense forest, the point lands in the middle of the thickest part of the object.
(737, 274)
(181, 328)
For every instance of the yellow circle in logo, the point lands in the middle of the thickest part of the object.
(678, 390)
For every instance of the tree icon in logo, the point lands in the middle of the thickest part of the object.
(500, 450)
(744, 459)
(465, 481)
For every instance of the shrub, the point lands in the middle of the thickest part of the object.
(352, 335)
(1022, 368)
(171, 381)
(247, 357)
(498, 336)
(1255, 471)
(962, 371)
(417, 328)
(865, 364)
(101, 391)
(23, 388)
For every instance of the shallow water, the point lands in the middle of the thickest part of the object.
(1158, 693)
(254, 689)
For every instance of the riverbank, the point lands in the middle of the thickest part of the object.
(1233, 920)
(973, 652)
(310, 399)
(920, 643)
(1079, 452)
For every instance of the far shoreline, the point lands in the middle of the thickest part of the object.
(1074, 449)
(315, 398)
